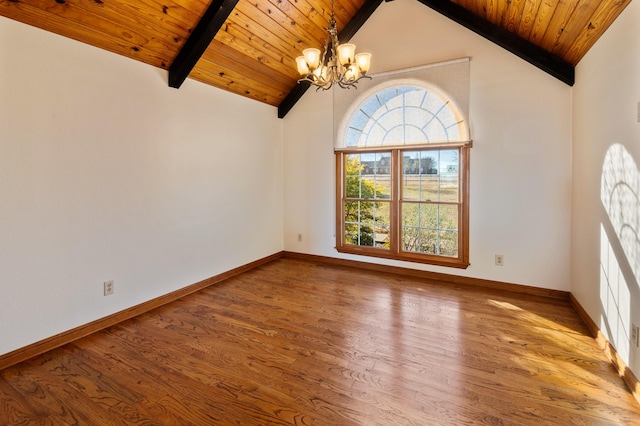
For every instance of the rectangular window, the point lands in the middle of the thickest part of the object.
(367, 201)
(406, 204)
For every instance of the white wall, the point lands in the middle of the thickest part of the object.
(520, 162)
(107, 173)
(605, 261)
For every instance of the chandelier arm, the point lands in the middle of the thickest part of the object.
(349, 85)
(319, 85)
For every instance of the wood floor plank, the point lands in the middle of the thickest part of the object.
(295, 342)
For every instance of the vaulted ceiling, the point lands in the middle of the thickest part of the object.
(249, 47)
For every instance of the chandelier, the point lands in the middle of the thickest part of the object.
(337, 64)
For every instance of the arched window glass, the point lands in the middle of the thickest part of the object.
(404, 115)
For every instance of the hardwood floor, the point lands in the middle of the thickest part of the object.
(297, 342)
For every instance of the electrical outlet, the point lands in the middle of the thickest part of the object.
(499, 260)
(299, 237)
(635, 335)
(108, 287)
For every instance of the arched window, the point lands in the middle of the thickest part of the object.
(403, 167)
(404, 115)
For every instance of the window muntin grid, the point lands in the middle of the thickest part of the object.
(430, 208)
(366, 206)
(404, 115)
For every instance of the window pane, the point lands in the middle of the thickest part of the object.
(366, 236)
(449, 180)
(353, 187)
(383, 163)
(448, 243)
(429, 241)
(448, 217)
(419, 240)
(368, 187)
(351, 233)
(411, 187)
(367, 223)
(383, 187)
(382, 237)
(420, 215)
(352, 211)
(430, 187)
(410, 214)
(382, 213)
(411, 175)
(420, 175)
(449, 188)
(352, 165)
(419, 221)
(431, 175)
(429, 216)
(410, 238)
(430, 228)
(368, 176)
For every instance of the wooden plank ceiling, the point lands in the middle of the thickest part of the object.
(253, 52)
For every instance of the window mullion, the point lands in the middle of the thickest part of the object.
(396, 195)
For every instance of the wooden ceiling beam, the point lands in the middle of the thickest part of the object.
(535, 55)
(202, 35)
(345, 35)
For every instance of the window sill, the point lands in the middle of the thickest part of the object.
(450, 262)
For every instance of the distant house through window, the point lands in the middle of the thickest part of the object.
(403, 169)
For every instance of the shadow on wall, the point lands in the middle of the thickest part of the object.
(620, 247)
